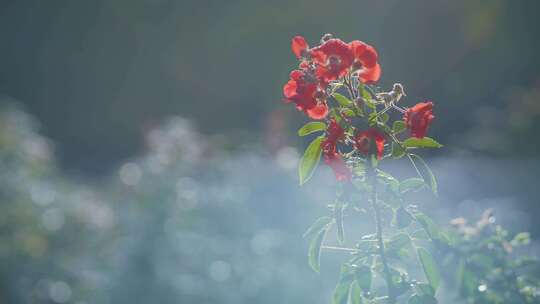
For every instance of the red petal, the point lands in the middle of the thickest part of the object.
(318, 112)
(299, 45)
(370, 75)
(289, 89)
(296, 74)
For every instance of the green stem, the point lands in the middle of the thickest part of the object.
(379, 233)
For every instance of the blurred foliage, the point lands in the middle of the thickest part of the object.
(485, 264)
(177, 225)
(186, 222)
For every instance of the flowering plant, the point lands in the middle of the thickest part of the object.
(361, 125)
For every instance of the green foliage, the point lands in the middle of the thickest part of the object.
(430, 268)
(426, 173)
(338, 216)
(398, 126)
(489, 269)
(342, 290)
(342, 100)
(312, 127)
(425, 142)
(310, 160)
(314, 253)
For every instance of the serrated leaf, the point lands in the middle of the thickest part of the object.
(411, 184)
(310, 160)
(312, 127)
(314, 253)
(317, 226)
(341, 292)
(363, 277)
(342, 100)
(430, 268)
(427, 174)
(397, 150)
(338, 216)
(399, 126)
(355, 294)
(425, 142)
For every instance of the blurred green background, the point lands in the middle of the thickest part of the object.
(146, 156)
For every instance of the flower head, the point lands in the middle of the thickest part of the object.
(331, 157)
(418, 118)
(303, 89)
(365, 60)
(299, 47)
(333, 58)
(370, 140)
(335, 161)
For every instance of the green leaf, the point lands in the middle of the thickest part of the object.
(341, 292)
(316, 227)
(384, 118)
(314, 253)
(397, 242)
(426, 173)
(310, 160)
(348, 112)
(428, 225)
(355, 294)
(388, 179)
(430, 268)
(411, 184)
(311, 127)
(366, 96)
(423, 288)
(342, 100)
(425, 142)
(363, 277)
(397, 150)
(338, 215)
(402, 218)
(422, 299)
(398, 126)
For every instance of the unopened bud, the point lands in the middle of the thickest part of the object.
(326, 37)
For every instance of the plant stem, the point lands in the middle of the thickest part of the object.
(379, 233)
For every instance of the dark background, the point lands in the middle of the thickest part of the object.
(98, 74)
(146, 156)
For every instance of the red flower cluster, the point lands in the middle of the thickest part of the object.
(418, 118)
(329, 149)
(364, 141)
(323, 64)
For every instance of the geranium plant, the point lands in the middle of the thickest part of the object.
(359, 126)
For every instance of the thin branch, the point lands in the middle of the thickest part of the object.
(339, 248)
(379, 233)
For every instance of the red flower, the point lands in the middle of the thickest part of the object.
(334, 161)
(418, 118)
(299, 46)
(333, 58)
(365, 59)
(363, 142)
(331, 157)
(302, 89)
(335, 131)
